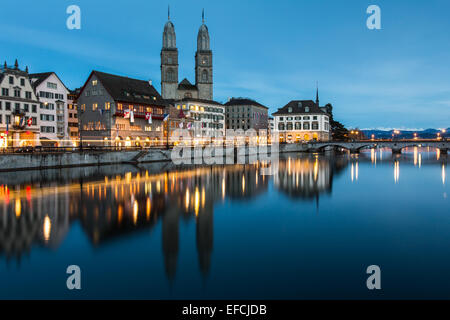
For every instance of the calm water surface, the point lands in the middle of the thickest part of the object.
(163, 232)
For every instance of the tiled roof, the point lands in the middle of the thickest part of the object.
(298, 107)
(40, 77)
(243, 102)
(129, 90)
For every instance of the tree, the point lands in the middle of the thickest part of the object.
(338, 131)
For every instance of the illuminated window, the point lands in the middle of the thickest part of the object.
(94, 82)
(107, 105)
(94, 106)
(119, 106)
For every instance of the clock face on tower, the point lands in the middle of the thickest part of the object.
(204, 61)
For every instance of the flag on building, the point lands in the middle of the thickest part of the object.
(189, 125)
(30, 122)
(131, 116)
(126, 114)
(148, 117)
(166, 117)
(181, 125)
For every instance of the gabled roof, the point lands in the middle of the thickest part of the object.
(41, 77)
(244, 102)
(298, 107)
(186, 85)
(128, 90)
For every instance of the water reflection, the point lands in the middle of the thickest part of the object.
(112, 202)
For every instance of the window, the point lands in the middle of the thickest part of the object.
(7, 106)
(52, 85)
(289, 126)
(22, 82)
(17, 93)
(27, 94)
(1, 105)
(8, 119)
(170, 75)
(107, 105)
(281, 126)
(290, 109)
(83, 107)
(1, 119)
(94, 82)
(306, 109)
(205, 76)
(305, 125)
(26, 107)
(33, 108)
(94, 106)
(5, 92)
(11, 80)
(298, 126)
(315, 126)
(119, 107)
(314, 117)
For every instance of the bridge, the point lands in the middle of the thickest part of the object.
(396, 145)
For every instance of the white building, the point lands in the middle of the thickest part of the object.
(52, 94)
(19, 108)
(302, 120)
(208, 116)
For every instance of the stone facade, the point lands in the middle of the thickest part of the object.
(246, 114)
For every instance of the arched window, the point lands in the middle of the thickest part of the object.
(204, 76)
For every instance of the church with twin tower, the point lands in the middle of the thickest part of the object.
(203, 87)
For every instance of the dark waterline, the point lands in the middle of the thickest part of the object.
(163, 232)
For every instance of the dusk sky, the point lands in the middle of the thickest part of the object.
(270, 51)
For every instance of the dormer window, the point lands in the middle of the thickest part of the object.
(306, 109)
(290, 109)
(299, 104)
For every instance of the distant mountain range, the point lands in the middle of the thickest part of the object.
(406, 134)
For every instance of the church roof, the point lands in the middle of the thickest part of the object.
(244, 102)
(186, 85)
(298, 107)
(129, 90)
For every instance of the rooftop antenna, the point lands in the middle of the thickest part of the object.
(203, 15)
(168, 12)
(317, 93)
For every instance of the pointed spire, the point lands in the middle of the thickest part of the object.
(6, 66)
(203, 15)
(168, 12)
(317, 93)
(26, 69)
(16, 64)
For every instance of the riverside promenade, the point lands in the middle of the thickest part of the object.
(67, 159)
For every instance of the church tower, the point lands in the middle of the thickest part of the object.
(203, 63)
(169, 62)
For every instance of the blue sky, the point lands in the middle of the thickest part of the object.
(271, 51)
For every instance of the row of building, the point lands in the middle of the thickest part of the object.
(38, 109)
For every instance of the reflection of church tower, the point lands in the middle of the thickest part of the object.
(203, 63)
(169, 62)
(205, 236)
(170, 236)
